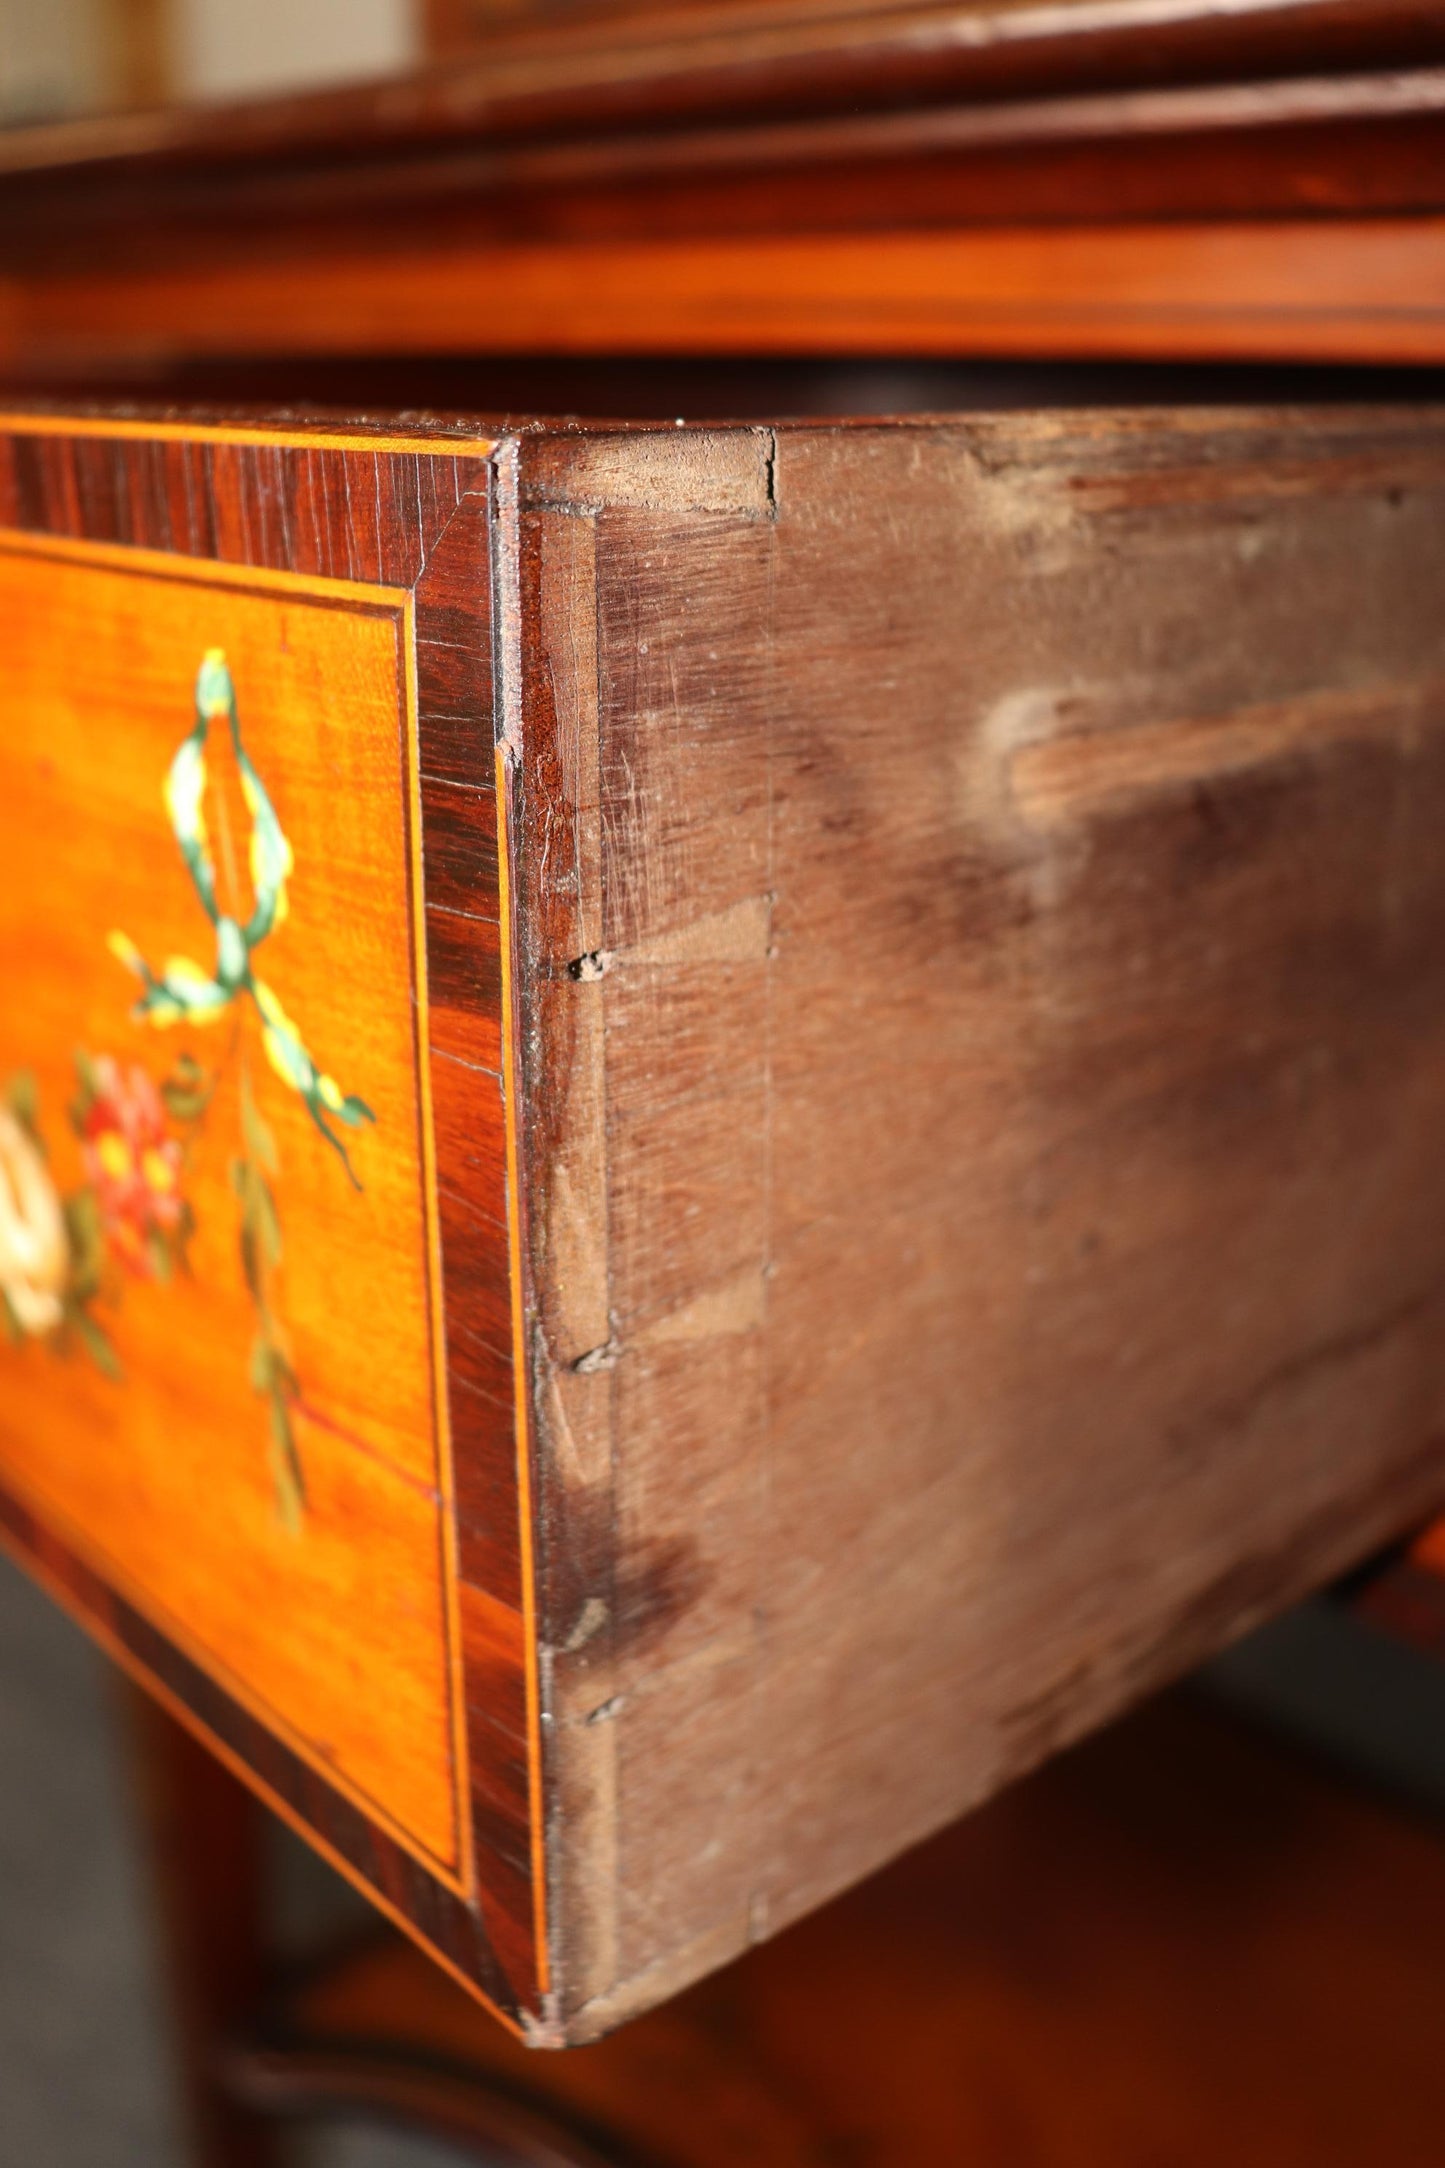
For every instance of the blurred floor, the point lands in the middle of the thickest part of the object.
(80, 2070)
(84, 2081)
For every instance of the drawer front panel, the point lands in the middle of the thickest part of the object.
(254, 1247)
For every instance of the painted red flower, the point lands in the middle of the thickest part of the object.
(134, 1164)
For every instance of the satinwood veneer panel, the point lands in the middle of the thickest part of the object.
(253, 1216)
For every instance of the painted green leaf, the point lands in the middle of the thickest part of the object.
(268, 1224)
(262, 1364)
(86, 1238)
(286, 1467)
(187, 1092)
(255, 1129)
(22, 1097)
(96, 1342)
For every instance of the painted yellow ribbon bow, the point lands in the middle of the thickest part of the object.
(182, 990)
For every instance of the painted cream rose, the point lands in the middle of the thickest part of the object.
(34, 1252)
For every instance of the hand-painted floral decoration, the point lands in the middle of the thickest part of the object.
(62, 1256)
(57, 1253)
(134, 1163)
(34, 1255)
(182, 990)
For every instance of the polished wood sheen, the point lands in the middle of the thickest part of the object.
(1353, 290)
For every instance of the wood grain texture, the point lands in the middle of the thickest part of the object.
(982, 1020)
(1367, 290)
(413, 522)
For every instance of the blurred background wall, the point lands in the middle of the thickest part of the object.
(63, 57)
(221, 50)
(54, 58)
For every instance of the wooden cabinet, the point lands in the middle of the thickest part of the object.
(813, 177)
(709, 1132)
